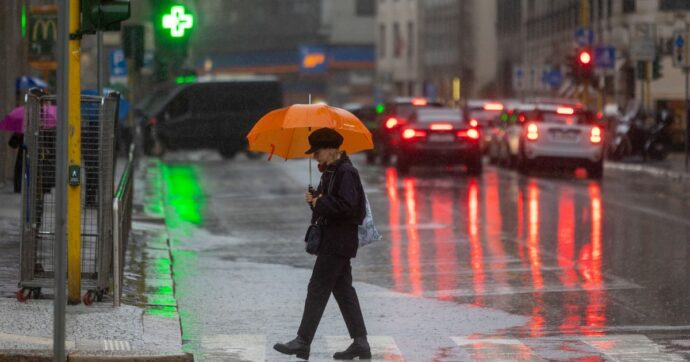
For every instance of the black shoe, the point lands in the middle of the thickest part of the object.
(358, 348)
(298, 346)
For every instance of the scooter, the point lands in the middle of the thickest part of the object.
(629, 135)
(659, 137)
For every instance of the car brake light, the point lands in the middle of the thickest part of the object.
(493, 107)
(419, 102)
(565, 110)
(441, 126)
(595, 135)
(409, 134)
(470, 133)
(474, 123)
(532, 132)
(391, 122)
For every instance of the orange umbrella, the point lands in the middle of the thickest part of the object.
(284, 132)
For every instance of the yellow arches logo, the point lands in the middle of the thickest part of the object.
(45, 26)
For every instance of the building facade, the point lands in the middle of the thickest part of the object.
(320, 47)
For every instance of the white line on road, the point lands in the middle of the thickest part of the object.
(496, 349)
(629, 347)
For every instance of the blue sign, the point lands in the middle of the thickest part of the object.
(584, 36)
(679, 41)
(118, 63)
(553, 78)
(605, 57)
(313, 59)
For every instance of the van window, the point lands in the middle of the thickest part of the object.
(179, 106)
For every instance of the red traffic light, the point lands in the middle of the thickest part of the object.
(585, 57)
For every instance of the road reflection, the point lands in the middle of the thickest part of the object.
(501, 244)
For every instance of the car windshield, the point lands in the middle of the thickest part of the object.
(430, 116)
(483, 116)
(569, 119)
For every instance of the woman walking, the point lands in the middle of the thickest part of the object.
(339, 203)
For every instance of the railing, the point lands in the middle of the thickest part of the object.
(122, 223)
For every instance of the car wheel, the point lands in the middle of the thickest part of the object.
(403, 164)
(595, 170)
(475, 167)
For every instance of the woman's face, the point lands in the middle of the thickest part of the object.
(323, 155)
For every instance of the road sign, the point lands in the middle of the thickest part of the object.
(605, 57)
(584, 36)
(518, 78)
(552, 77)
(42, 34)
(681, 49)
(118, 63)
(642, 44)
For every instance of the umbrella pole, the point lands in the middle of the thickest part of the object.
(310, 187)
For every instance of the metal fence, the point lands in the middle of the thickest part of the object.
(98, 117)
(122, 222)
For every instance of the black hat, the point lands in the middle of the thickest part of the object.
(324, 138)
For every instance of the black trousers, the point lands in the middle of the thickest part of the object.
(331, 274)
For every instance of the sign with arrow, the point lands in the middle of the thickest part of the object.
(74, 173)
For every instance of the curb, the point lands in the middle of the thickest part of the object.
(649, 170)
(47, 356)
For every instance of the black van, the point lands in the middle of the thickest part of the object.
(209, 115)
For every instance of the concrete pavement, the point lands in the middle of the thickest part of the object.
(673, 167)
(145, 328)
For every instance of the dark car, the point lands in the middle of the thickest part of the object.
(484, 115)
(439, 135)
(396, 114)
(366, 114)
(207, 115)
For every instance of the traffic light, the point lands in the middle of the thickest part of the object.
(641, 70)
(103, 15)
(656, 68)
(133, 44)
(585, 64)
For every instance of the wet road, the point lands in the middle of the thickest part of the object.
(502, 266)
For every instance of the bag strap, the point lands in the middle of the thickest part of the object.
(330, 188)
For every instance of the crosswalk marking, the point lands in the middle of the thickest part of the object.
(241, 347)
(383, 348)
(629, 347)
(497, 349)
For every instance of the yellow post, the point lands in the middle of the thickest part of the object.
(74, 159)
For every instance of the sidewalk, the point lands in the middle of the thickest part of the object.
(673, 167)
(145, 328)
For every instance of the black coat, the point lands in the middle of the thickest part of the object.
(341, 208)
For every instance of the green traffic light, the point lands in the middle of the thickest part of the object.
(178, 21)
(23, 20)
(380, 108)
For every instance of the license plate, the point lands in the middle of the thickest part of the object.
(565, 137)
(441, 138)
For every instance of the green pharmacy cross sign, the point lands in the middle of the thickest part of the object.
(177, 21)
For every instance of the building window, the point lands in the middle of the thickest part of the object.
(365, 8)
(674, 5)
(382, 41)
(628, 6)
(410, 39)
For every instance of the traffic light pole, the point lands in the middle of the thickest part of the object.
(74, 159)
(686, 70)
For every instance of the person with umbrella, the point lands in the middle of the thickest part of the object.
(339, 204)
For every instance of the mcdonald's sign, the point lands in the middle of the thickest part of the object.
(42, 34)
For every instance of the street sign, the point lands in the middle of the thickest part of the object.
(643, 42)
(605, 57)
(552, 78)
(584, 36)
(681, 49)
(118, 63)
(313, 59)
(42, 34)
(518, 78)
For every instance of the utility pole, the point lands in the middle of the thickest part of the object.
(74, 157)
(584, 22)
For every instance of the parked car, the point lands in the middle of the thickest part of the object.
(438, 135)
(206, 115)
(561, 137)
(485, 116)
(396, 115)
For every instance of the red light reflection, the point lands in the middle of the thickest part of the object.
(444, 241)
(590, 259)
(413, 249)
(394, 222)
(476, 253)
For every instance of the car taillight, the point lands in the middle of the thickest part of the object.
(493, 107)
(391, 122)
(471, 133)
(565, 110)
(153, 121)
(473, 123)
(441, 126)
(420, 102)
(595, 135)
(409, 134)
(532, 132)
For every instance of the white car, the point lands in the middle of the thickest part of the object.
(560, 137)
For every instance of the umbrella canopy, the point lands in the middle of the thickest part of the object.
(26, 82)
(14, 121)
(285, 131)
